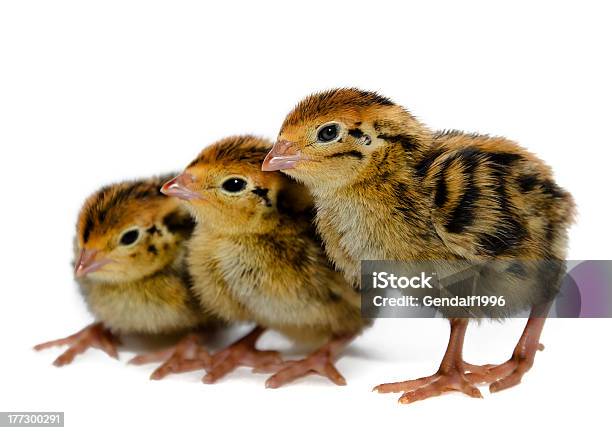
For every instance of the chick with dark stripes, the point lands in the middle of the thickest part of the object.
(415, 194)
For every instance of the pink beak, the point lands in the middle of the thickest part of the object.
(282, 156)
(179, 187)
(88, 263)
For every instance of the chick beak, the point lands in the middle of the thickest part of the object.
(89, 262)
(179, 187)
(282, 156)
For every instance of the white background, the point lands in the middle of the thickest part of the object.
(92, 92)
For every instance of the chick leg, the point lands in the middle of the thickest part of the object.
(511, 372)
(449, 377)
(95, 335)
(240, 353)
(186, 355)
(320, 362)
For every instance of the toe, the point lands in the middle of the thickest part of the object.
(505, 383)
(332, 373)
(471, 391)
(161, 371)
(288, 374)
(109, 348)
(222, 369)
(405, 386)
(260, 358)
(52, 343)
(65, 358)
(421, 394)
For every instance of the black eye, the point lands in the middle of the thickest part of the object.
(129, 237)
(235, 184)
(328, 133)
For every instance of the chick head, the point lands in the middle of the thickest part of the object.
(128, 231)
(330, 138)
(225, 188)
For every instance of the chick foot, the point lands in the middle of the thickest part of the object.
(444, 380)
(455, 374)
(95, 335)
(510, 373)
(187, 355)
(240, 353)
(320, 362)
(451, 376)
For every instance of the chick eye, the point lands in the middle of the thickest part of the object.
(129, 237)
(328, 133)
(234, 184)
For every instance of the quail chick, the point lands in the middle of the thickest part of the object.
(388, 188)
(254, 257)
(130, 249)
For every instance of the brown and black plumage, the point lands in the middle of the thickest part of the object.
(255, 257)
(129, 265)
(388, 188)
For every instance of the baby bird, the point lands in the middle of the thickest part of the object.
(130, 249)
(254, 256)
(388, 188)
